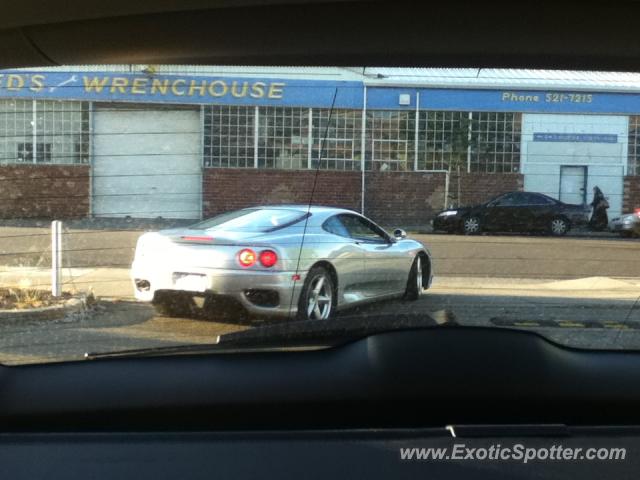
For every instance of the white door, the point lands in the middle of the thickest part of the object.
(146, 163)
(573, 183)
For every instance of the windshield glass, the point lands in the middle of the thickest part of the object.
(117, 182)
(260, 220)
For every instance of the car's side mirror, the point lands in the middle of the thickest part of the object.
(399, 234)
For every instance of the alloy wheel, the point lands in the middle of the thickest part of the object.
(319, 298)
(558, 226)
(471, 225)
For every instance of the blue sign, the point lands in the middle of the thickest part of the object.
(117, 87)
(576, 137)
(218, 90)
(477, 100)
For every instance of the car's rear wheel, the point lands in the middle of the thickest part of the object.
(174, 304)
(318, 296)
(415, 284)
(558, 227)
(471, 226)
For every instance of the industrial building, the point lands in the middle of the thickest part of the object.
(189, 141)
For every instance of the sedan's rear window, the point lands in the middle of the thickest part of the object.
(252, 219)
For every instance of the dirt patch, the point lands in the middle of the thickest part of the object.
(28, 298)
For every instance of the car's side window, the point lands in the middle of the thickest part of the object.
(507, 200)
(335, 226)
(535, 199)
(361, 229)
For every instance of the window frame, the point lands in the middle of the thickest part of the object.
(385, 237)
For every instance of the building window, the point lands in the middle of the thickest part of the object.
(495, 142)
(58, 131)
(443, 140)
(283, 138)
(229, 136)
(634, 146)
(390, 139)
(43, 153)
(341, 139)
(484, 142)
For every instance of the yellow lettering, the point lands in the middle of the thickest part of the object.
(220, 83)
(202, 89)
(37, 83)
(94, 84)
(234, 90)
(505, 96)
(119, 83)
(276, 90)
(174, 87)
(257, 90)
(158, 85)
(12, 80)
(138, 86)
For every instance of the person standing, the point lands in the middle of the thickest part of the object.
(599, 219)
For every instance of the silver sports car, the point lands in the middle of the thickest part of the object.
(286, 261)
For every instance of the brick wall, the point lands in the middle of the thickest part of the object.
(479, 187)
(44, 191)
(403, 199)
(230, 189)
(407, 199)
(631, 199)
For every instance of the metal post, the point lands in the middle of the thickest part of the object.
(416, 139)
(363, 148)
(56, 258)
(34, 131)
(256, 133)
(310, 140)
(469, 142)
(446, 189)
(91, 159)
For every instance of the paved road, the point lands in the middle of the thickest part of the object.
(578, 291)
(490, 256)
(594, 313)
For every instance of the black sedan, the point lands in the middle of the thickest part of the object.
(514, 212)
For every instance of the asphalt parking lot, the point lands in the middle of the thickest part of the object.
(580, 290)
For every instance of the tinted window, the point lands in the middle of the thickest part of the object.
(537, 199)
(252, 219)
(511, 200)
(360, 229)
(335, 226)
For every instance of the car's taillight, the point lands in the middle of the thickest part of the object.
(637, 212)
(246, 257)
(268, 258)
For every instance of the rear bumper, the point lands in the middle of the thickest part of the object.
(240, 285)
(619, 226)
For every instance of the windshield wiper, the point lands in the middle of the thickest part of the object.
(286, 335)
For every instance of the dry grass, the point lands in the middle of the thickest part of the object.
(25, 298)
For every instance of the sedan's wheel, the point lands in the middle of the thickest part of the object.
(559, 227)
(317, 299)
(415, 284)
(174, 304)
(471, 226)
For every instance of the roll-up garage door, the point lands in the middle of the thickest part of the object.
(146, 163)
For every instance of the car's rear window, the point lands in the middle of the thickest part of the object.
(252, 219)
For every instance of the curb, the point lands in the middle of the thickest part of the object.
(73, 306)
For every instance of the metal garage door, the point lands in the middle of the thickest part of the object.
(146, 163)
